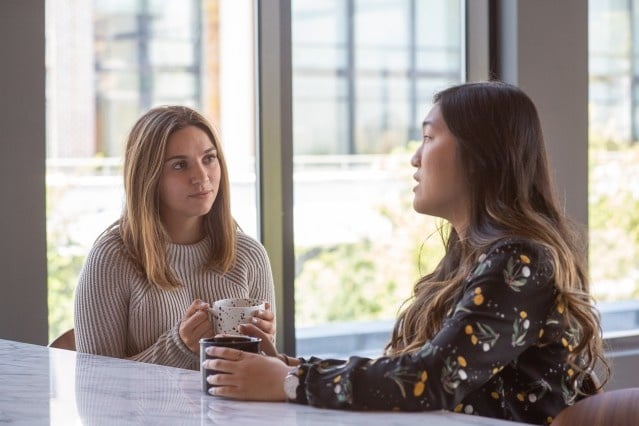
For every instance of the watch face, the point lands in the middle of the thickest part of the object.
(291, 382)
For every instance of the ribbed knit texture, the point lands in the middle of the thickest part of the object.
(119, 313)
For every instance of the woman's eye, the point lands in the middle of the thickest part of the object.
(210, 158)
(179, 165)
(427, 137)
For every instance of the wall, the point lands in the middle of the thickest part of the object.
(23, 277)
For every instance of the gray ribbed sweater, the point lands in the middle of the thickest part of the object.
(119, 313)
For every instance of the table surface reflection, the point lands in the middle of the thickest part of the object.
(41, 385)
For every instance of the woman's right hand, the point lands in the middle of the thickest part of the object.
(195, 325)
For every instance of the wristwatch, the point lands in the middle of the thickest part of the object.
(291, 383)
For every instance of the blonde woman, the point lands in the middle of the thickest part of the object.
(150, 278)
(504, 326)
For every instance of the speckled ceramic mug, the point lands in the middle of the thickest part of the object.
(228, 314)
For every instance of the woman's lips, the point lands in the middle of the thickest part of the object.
(201, 194)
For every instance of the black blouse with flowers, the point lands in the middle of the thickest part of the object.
(500, 353)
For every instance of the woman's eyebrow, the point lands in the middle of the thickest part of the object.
(175, 157)
(184, 157)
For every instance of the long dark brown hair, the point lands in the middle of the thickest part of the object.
(500, 142)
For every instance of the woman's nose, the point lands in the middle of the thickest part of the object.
(199, 175)
(416, 158)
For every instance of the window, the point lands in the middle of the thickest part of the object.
(108, 62)
(614, 161)
(359, 95)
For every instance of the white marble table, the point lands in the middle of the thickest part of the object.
(41, 386)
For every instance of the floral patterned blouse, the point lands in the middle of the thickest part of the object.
(500, 352)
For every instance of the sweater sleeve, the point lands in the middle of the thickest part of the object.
(504, 305)
(102, 306)
(259, 272)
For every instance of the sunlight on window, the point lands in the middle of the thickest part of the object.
(108, 62)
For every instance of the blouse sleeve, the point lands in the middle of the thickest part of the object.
(504, 304)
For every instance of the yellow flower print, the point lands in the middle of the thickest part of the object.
(468, 329)
(524, 259)
(478, 299)
(564, 341)
(494, 395)
(520, 329)
(485, 335)
(453, 373)
(461, 361)
(541, 333)
(403, 376)
(343, 389)
(560, 305)
(516, 273)
(521, 396)
(458, 408)
(570, 372)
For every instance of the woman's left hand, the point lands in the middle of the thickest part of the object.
(248, 376)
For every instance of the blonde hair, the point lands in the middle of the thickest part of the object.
(500, 141)
(144, 236)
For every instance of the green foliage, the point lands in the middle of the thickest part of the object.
(63, 273)
(64, 263)
(614, 220)
(371, 278)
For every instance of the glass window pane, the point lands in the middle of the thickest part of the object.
(614, 160)
(359, 97)
(108, 61)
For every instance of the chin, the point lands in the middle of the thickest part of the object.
(418, 207)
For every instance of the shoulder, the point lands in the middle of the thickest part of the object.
(525, 247)
(108, 248)
(249, 245)
(107, 265)
(515, 255)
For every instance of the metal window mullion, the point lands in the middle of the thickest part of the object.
(476, 43)
(274, 159)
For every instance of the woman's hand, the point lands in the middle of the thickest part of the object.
(195, 325)
(249, 376)
(262, 325)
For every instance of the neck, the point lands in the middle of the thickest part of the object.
(185, 232)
